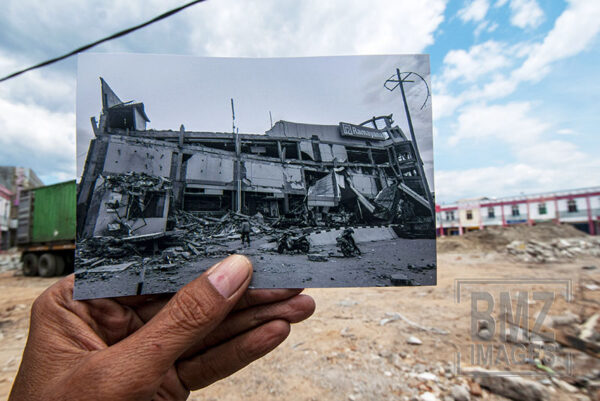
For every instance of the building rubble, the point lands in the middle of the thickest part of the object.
(10, 260)
(552, 251)
(188, 235)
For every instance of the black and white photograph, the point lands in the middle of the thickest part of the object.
(318, 169)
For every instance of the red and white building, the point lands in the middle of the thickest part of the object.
(579, 207)
(5, 220)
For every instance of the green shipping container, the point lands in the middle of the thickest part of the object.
(54, 213)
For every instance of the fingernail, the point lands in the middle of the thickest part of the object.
(230, 274)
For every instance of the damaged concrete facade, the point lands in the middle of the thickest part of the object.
(368, 173)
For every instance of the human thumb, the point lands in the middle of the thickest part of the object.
(188, 317)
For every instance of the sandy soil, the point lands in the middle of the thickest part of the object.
(344, 352)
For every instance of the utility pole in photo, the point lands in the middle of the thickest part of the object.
(238, 163)
(399, 82)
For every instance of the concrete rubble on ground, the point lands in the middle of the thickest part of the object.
(10, 260)
(513, 387)
(412, 340)
(496, 238)
(391, 317)
(532, 251)
(572, 334)
(190, 236)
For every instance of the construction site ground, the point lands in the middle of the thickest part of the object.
(355, 347)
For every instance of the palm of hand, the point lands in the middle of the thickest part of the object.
(135, 348)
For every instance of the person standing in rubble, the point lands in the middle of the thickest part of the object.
(245, 231)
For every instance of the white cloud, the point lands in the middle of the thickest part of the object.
(482, 63)
(474, 11)
(444, 105)
(545, 153)
(534, 160)
(481, 67)
(312, 27)
(515, 178)
(573, 32)
(492, 27)
(537, 162)
(50, 89)
(480, 60)
(498, 87)
(35, 137)
(37, 121)
(227, 27)
(480, 28)
(526, 13)
(566, 131)
(511, 123)
(452, 185)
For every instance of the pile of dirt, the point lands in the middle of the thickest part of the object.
(552, 251)
(497, 238)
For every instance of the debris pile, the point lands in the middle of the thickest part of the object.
(497, 238)
(10, 260)
(133, 197)
(513, 387)
(188, 236)
(134, 183)
(140, 225)
(533, 251)
(203, 228)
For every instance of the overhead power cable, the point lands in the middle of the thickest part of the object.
(106, 39)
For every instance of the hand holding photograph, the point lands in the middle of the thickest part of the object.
(319, 170)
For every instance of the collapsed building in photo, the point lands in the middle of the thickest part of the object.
(294, 174)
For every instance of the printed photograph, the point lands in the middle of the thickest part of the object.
(318, 169)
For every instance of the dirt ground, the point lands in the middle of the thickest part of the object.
(349, 351)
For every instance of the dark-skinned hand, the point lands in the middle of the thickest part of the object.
(153, 347)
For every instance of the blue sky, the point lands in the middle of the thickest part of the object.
(514, 82)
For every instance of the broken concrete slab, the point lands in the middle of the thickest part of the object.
(316, 257)
(111, 268)
(513, 387)
(400, 279)
(532, 251)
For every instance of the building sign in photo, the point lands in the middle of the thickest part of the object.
(357, 131)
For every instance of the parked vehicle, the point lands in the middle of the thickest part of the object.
(291, 244)
(46, 229)
(346, 243)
